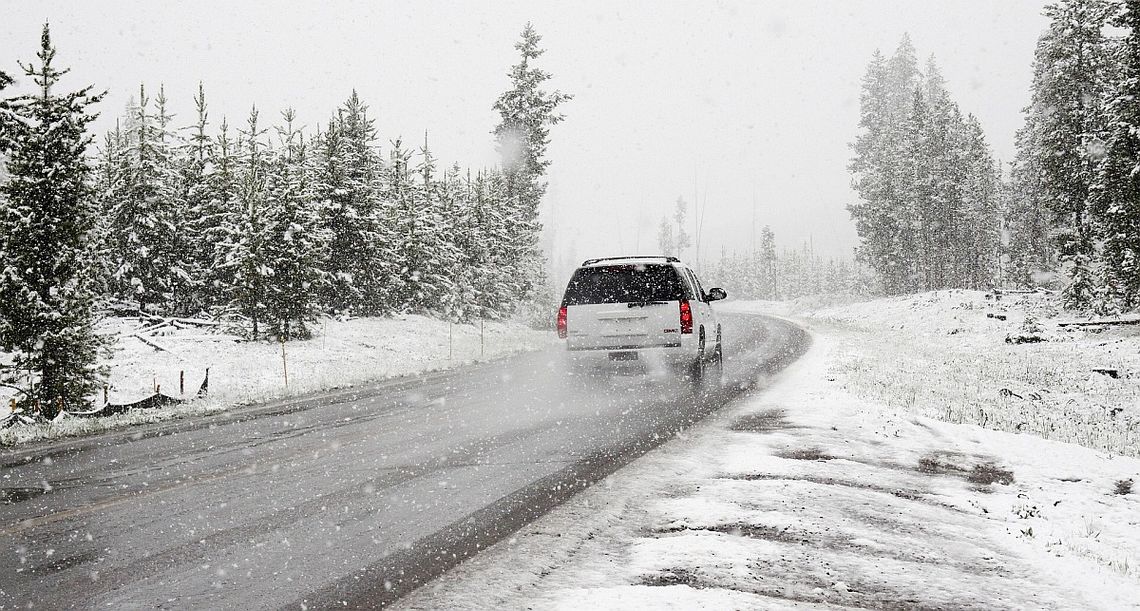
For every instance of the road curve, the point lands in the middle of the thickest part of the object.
(350, 498)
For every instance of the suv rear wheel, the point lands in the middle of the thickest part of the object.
(697, 366)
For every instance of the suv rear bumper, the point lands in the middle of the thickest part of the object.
(624, 356)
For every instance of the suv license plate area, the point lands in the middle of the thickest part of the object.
(623, 356)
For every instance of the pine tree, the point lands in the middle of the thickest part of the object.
(980, 212)
(291, 246)
(109, 165)
(665, 240)
(214, 224)
(454, 258)
(245, 244)
(1118, 198)
(46, 217)
(526, 113)
(438, 252)
(182, 295)
(770, 289)
(411, 237)
(7, 119)
(681, 239)
(196, 162)
(1027, 218)
(348, 183)
(927, 183)
(146, 219)
(1072, 72)
(883, 214)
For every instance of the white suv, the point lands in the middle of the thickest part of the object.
(648, 311)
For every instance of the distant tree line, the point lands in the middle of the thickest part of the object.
(929, 189)
(770, 274)
(268, 226)
(1073, 197)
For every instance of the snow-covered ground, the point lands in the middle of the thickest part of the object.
(945, 354)
(342, 354)
(825, 490)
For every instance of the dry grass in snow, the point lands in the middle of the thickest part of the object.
(945, 355)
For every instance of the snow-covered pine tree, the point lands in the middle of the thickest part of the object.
(6, 118)
(246, 231)
(915, 206)
(348, 185)
(665, 241)
(291, 247)
(1026, 215)
(882, 213)
(681, 239)
(203, 216)
(488, 276)
(1071, 80)
(926, 183)
(502, 278)
(108, 176)
(439, 252)
(980, 246)
(411, 238)
(46, 217)
(456, 235)
(769, 287)
(146, 218)
(1118, 198)
(182, 298)
(214, 223)
(458, 196)
(939, 181)
(526, 113)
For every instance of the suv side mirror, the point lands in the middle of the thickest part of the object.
(716, 294)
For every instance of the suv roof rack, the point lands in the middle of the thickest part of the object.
(669, 259)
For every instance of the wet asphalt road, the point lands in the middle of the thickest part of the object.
(350, 498)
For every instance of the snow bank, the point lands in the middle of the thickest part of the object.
(343, 353)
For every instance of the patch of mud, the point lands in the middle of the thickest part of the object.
(11, 496)
(989, 473)
(783, 534)
(983, 473)
(675, 577)
(805, 454)
(762, 422)
(837, 542)
(902, 493)
(782, 582)
(64, 563)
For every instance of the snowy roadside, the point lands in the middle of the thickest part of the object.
(343, 354)
(805, 495)
(945, 355)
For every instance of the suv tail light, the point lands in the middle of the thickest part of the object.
(686, 317)
(562, 322)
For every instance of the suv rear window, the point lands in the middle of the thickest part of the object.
(624, 284)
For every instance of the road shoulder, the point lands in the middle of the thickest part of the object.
(804, 495)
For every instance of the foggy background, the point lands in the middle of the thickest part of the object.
(746, 108)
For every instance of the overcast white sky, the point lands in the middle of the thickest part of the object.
(734, 101)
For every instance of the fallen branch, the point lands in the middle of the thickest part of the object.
(1098, 323)
(218, 336)
(196, 322)
(153, 344)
